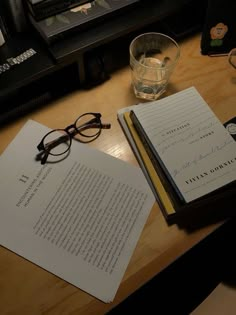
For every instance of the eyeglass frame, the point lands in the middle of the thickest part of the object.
(92, 123)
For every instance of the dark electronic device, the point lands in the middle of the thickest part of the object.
(80, 56)
(71, 21)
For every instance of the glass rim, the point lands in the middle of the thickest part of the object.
(232, 54)
(155, 33)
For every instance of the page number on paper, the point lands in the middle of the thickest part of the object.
(24, 179)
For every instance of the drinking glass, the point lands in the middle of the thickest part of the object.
(153, 57)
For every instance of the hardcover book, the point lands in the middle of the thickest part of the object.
(79, 18)
(194, 150)
(211, 203)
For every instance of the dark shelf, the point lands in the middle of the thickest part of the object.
(143, 15)
(85, 57)
(32, 69)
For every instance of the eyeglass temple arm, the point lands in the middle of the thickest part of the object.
(93, 125)
(52, 144)
(106, 126)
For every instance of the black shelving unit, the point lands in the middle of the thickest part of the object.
(85, 57)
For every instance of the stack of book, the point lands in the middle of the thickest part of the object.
(187, 155)
(55, 19)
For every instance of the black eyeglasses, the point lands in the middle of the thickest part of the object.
(86, 128)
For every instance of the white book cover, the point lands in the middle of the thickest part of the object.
(197, 152)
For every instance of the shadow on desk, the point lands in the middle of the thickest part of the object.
(221, 300)
(181, 287)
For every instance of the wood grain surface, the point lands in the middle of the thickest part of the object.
(28, 289)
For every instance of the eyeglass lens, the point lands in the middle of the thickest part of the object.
(57, 142)
(88, 125)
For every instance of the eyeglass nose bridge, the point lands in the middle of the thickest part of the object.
(71, 130)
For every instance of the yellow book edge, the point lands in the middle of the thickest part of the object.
(163, 195)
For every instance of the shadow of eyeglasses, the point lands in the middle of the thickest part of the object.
(53, 158)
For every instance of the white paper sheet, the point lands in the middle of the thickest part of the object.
(79, 218)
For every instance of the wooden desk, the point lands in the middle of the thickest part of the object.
(28, 289)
